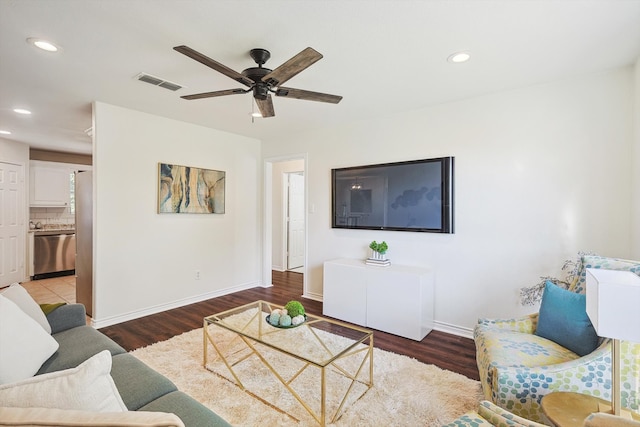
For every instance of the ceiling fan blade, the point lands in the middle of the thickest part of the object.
(292, 67)
(205, 60)
(214, 94)
(307, 95)
(266, 106)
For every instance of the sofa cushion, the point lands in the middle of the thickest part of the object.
(87, 387)
(76, 346)
(190, 411)
(138, 384)
(499, 417)
(50, 417)
(66, 317)
(470, 419)
(563, 319)
(21, 297)
(24, 344)
(506, 348)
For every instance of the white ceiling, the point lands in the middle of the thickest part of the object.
(383, 57)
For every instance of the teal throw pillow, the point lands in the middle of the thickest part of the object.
(563, 319)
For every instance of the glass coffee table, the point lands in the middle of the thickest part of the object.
(335, 349)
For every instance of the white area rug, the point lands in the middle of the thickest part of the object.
(405, 391)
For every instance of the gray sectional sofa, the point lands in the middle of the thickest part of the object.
(141, 388)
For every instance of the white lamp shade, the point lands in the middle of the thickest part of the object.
(613, 303)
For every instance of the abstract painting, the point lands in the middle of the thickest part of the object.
(185, 189)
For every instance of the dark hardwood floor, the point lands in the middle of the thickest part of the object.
(444, 350)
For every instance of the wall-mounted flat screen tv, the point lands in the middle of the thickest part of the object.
(415, 195)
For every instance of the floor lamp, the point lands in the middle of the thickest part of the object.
(613, 301)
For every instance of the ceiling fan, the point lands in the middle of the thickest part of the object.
(263, 81)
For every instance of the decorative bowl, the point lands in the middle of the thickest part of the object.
(285, 327)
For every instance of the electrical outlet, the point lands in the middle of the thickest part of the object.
(197, 274)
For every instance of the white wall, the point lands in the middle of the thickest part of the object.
(14, 152)
(278, 243)
(541, 173)
(144, 261)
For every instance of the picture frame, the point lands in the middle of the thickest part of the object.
(188, 189)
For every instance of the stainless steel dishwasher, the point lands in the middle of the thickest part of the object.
(53, 252)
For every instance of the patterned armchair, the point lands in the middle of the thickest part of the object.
(517, 368)
(489, 415)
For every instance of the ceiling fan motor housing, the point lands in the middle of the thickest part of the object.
(261, 89)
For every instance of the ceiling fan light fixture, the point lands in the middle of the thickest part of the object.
(255, 113)
(43, 44)
(459, 57)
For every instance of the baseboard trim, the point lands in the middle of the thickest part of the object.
(114, 320)
(453, 329)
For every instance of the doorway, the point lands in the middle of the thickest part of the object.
(285, 199)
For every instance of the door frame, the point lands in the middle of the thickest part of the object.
(267, 216)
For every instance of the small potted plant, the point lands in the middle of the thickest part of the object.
(378, 249)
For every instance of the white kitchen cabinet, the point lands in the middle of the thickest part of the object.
(49, 184)
(398, 299)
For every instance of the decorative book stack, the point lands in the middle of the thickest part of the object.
(383, 262)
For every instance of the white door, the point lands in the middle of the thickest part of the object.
(12, 230)
(295, 220)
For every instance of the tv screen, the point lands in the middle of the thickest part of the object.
(415, 195)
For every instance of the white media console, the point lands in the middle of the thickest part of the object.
(397, 299)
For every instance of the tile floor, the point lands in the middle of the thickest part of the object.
(55, 289)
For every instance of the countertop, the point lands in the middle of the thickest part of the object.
(50, 231)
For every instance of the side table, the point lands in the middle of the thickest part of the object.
(568, 409)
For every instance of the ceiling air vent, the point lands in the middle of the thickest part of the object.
(156, 81)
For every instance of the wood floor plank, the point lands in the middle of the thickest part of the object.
(444, 350)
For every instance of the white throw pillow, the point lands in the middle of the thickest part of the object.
(88, 387)
(21, 297)
(24, 345)
(49, 417)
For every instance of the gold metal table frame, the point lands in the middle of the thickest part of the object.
(257, 331)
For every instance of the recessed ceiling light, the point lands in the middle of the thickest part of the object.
(43, 44)
(21, 111)
(459, 57)
(5, 132)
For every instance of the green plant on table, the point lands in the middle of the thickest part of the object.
(294, 308)
(379, 247)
